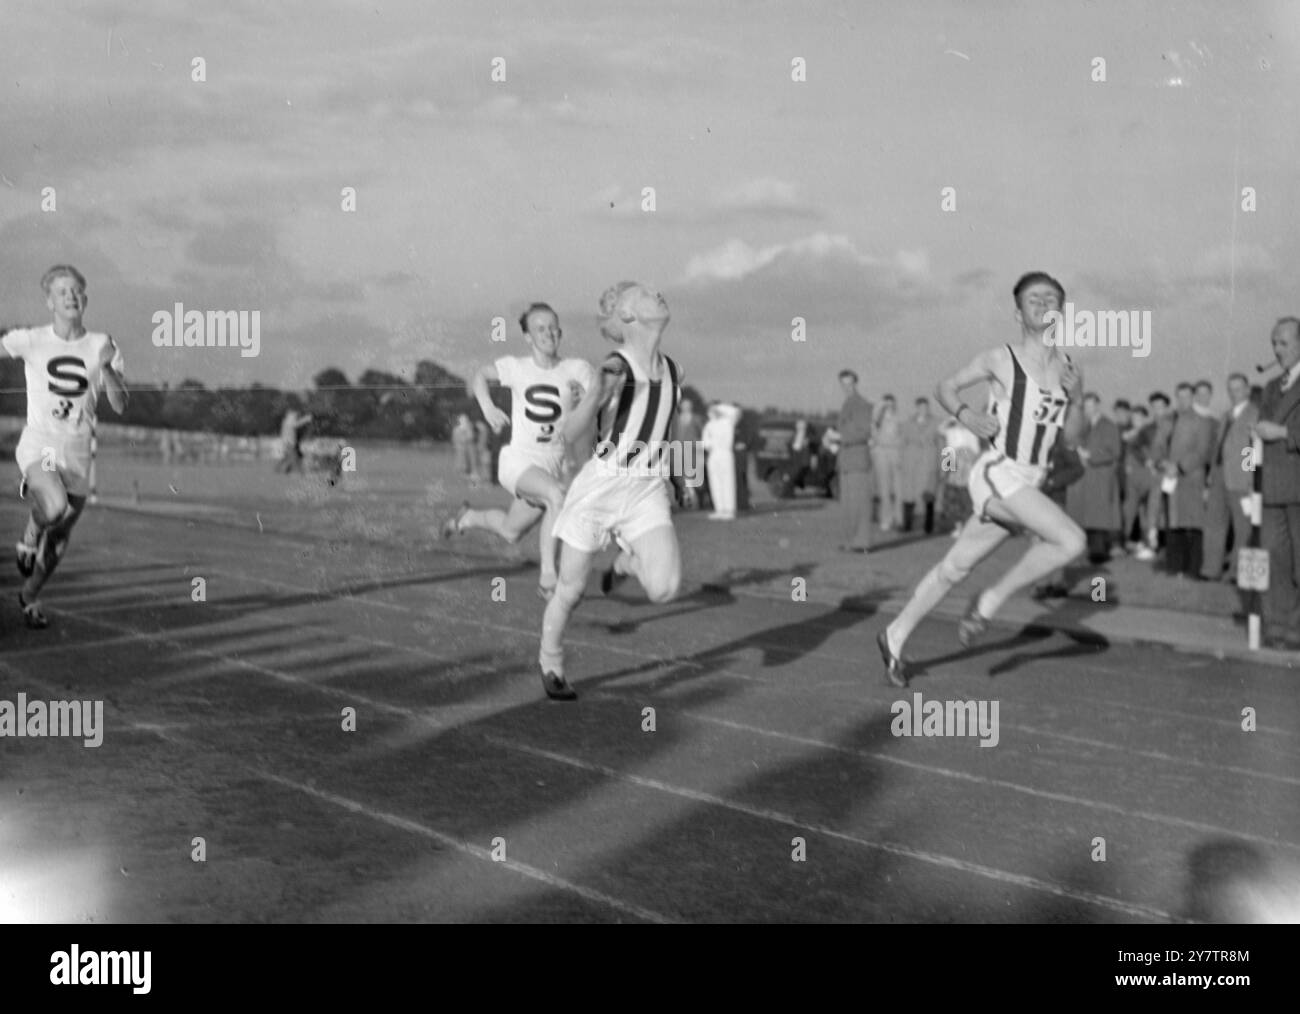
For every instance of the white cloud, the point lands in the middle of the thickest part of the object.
(735, 259)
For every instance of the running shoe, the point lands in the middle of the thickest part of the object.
(895, 667)
(972, 625)
(32, 614)
(556, 687)
(451, 527)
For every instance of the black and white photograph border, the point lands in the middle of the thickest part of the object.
(571, 462)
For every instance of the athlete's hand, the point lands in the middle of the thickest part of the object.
(1269, 431)
(980, 423)
(1072, 380)
(497, 419)
(576, 391)
(108, 353)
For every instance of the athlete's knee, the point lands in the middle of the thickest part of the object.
(569, 592)
(952, 570)
(1073, 541)
(53, 504)
(663, 588)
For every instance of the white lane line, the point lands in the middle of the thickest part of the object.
(919, 855)
(475, 851)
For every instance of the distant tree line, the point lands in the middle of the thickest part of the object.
(379, 405)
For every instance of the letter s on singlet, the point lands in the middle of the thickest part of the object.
(71, 370)
(548, 409)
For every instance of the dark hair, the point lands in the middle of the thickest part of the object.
(1159, 396)
(1140, 409)
(889, 397)
(534, 308)
(1293, 321)
(1205, 383)
(1033, 278)
(848, 373)
(1239, 376)
(923, 400)
(1184, 386)
(1122, 403)
(1092, 396)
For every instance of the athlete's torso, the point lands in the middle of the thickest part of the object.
(634, 426)
(540, 400)
(64, 378)
(1030, 417)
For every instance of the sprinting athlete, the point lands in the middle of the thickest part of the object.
(623, 490)
(66, 367)
(1034, 398)
(543, 387)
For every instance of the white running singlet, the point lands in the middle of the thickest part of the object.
(64, 379)
(539, 400)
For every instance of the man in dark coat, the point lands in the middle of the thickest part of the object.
(1136, 492)
(1093, 502)
(1231, 480)
(921, 452)
(854, 463)
(1190, 445)
(1279, 429)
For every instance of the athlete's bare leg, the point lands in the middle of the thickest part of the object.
(55, 511)
(538, 487)
(575, 567)
(656, 561)
(1060, 541)
(977, 540)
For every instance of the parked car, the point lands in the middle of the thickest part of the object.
(785, 469)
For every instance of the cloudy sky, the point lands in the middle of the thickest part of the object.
(774, 198)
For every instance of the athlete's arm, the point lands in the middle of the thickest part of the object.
(479, 388)
(114, 385)
(980, 369)
(1072, 381)
(14, 341)
(583, 416)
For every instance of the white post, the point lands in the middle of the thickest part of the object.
(1256, 519)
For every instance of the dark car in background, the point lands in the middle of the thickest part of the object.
(786, 470)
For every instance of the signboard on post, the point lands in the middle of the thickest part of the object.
(1252, 569)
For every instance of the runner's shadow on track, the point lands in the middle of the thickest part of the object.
(1080, 643)
(780, 645)
(712, 594)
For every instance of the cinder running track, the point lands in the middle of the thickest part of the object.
(224, 721)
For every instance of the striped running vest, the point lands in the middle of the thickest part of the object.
(634, 427)
(1029, 419)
